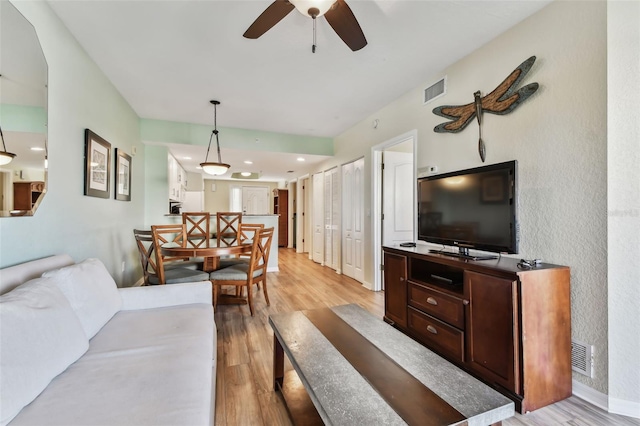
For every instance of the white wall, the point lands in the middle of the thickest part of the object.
(623, 155)
(558, 136)
(80, 97)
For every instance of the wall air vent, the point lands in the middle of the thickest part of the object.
(582, 358)
(434, 91)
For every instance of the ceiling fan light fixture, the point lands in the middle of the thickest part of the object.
(209, 167)
(305, 6)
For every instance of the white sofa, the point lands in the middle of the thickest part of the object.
(77, 350)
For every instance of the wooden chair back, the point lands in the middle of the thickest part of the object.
(260, 253)
(198, 228)
(246, 231)
(146, 250)
(256, 272)
(227, 228)
(163, 234)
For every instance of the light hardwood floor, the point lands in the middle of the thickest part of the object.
(244, 394)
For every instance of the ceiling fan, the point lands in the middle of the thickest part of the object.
(337, 12)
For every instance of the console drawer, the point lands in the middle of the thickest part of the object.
(447, 308)
(437, 335)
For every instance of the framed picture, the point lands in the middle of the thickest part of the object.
(494, 189)
(97, 170)
(123, 176)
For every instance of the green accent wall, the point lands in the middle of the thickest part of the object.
(20, 118)
(243, 139)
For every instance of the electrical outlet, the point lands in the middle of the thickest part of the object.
(432, 169)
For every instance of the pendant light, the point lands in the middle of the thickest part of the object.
(211, 168)
(5, 157)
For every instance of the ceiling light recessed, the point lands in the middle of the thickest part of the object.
(300, 159)
(186, 158)
(245, 175)
(36, 148)
(248, 162)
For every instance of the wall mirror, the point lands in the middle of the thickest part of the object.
(23, 114)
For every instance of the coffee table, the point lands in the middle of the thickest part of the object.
(358, 370)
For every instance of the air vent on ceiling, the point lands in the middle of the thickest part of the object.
(434, 91)
(582, 358)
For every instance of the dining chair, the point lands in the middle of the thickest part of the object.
(146, 251)
(246, 232)
(166, 272)
(198, 227)
(227, 227)
(246, 274)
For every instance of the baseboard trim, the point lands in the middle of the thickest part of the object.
(273, 269)
(367, 285)
(590, 395)
(611, 405)
(624, 408)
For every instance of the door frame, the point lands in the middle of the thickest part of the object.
(376, 198)
(301, 213)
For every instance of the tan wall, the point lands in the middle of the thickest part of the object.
(218, 200)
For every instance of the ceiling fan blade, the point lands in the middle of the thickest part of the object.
(345, 24)
(271, 16)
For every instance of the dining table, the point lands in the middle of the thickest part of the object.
(210, 252)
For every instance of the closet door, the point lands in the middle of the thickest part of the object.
(347, 220)
(331, 219)
(353, 219)
(358, 219)
(318, 218)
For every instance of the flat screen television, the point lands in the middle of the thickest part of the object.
(470, 209)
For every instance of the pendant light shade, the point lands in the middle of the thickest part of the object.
(219, 168)
(5, 157)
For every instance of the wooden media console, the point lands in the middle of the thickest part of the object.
(509, 327)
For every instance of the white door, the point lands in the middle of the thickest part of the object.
(347, 220)
(397, 197)
(255, 200)
(358, 219)
(353, 219)
(318, 218)
(331, 219)
(335, 221)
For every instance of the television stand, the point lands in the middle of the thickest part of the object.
(463, 254)
(509, 327)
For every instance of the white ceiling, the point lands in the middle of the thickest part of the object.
(169, 58)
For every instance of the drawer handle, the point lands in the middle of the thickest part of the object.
(432, 329)
(432, 301)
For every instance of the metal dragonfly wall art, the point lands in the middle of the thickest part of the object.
(502, 100)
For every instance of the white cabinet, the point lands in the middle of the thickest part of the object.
(177, 179)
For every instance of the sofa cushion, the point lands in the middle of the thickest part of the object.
(40, 336)
(146, 367)
(91, 291)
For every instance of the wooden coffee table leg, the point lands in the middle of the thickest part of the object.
(278, 364)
